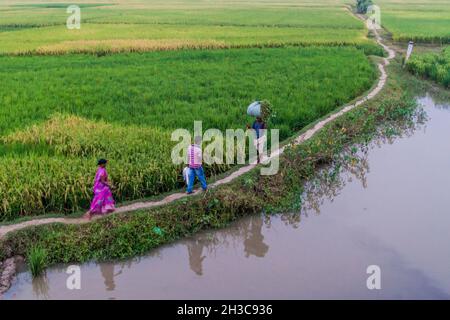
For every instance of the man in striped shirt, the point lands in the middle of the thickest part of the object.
(195, 165)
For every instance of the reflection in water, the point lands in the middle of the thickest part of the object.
(254, 240)
(353, 163)
(331, 180)
(107, 270)
(195, 250)
(41, 287)
(248, 232)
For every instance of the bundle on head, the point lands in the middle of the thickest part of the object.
(266, 110)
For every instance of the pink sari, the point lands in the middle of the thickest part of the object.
(103, 201)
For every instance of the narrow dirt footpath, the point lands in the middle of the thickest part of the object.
(4, 230)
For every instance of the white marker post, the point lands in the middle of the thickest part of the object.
(409, 51)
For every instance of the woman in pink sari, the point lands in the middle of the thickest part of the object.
(103, 202)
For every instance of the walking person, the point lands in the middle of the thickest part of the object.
(195, 166)
(103, 202)
(259, 126)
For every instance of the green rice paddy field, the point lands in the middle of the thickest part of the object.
(153, 25)
(417, 20)
(121, 84)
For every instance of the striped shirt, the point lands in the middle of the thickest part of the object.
(195, 156)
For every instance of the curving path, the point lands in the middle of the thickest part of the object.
(4, 230)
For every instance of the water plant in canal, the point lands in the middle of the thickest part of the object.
(37, 260)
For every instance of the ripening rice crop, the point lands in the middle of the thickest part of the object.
(124, 26)
(57, 172)
(126, 45)
(112, 38)
(60, 114)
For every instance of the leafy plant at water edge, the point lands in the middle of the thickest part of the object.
(37, 260)
(435, 66)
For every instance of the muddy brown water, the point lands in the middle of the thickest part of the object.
(391, 210)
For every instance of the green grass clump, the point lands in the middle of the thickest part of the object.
(37, 260)
(435, 66)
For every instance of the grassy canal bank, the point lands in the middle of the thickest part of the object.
(126, 235)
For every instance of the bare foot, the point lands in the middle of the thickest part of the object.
(87, 216)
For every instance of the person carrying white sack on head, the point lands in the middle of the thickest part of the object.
(261, 110)
(260, 127)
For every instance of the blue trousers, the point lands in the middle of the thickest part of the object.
(200, 174)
